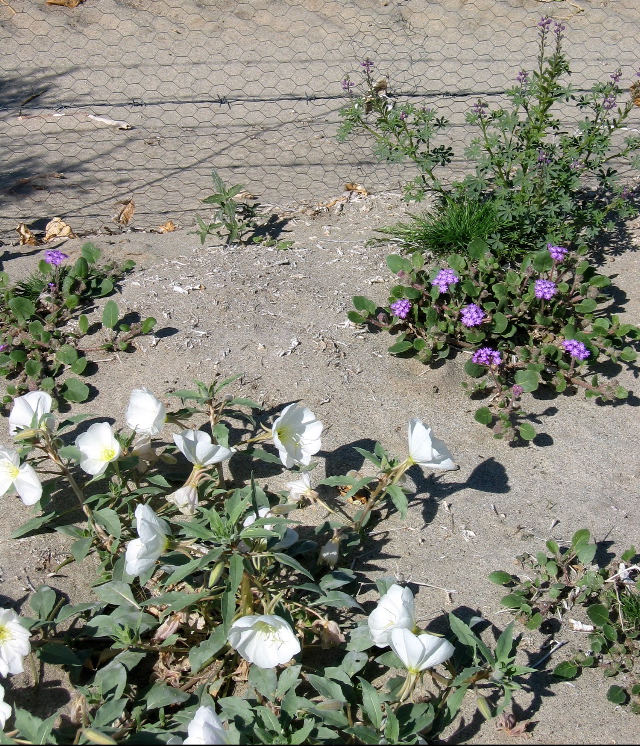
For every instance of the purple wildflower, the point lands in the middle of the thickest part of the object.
(522, 77)
(479, 108)
(545, 289)
(626, 193)
(54, 257)
(486, 356)
(472, 315)
(558, 253)
(516, 390)
(575, 165)
(444, 279)
(3, 347)
(403, 115)
(543, 158)
(347, 85)
(558, 29)
(616, 76)
(544, 23)
(401, 308)
(368, 65)
(609, 102)
(576, 349)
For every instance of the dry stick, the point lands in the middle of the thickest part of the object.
(557, 646)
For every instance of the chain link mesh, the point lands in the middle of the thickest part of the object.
(119, 99)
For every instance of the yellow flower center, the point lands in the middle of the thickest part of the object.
(285, 433)
(108, 454)
(12, 471)
(5, 634)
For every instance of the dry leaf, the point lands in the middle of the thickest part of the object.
(110, 122)
(168, 227)
(66, 3)
(26, 237)
(125, 213)
(577, 626)
(57, 228)
(352, 187)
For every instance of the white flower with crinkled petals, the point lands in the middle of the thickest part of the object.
(266, 641)
(31, 411)
(185, 498)
(427, 450)
(99, 447)
(396, 609)
(206, 728)
(197, 447)
(5, 709)
(14, 642)
(145, 413)
(142, 553)
(22, 478)
(419, 652)
(301, 487)
(296, 434)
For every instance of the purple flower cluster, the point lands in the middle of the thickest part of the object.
(545, 289)
(479, 108)
(558, 253)
(543, 158)
(616, 76)
(486, 356)
(522, 77)
(576, 349)
(444, 279)
(472, 315)
(54, 257)
(609, 102)
(575, 165)
(544, 23)
(368, 65)
(403, 115)
(347, 85)
(401, 308)
(3, 347)
(558, 29)
(517, 390)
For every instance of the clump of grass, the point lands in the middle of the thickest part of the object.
(448, 228)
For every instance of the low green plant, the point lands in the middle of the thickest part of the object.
(542, 179)
(232, 220)
(559, 581)
(42, 323)
(542, 323)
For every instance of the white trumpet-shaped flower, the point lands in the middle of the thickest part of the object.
(296, 434)
(395, 610)
(31, 411)
(197, 447)
(14, 642)
(99, 447)
(427, 450)
(153, 541)
(205, 728)
(22, 477)
(301, 487)
(5, 709)
(419, 652)
(185, 498)
(266, 641)
(145, 413)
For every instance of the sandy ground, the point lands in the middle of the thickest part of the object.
(278, 317)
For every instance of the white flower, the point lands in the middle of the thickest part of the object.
(33, 410)
(5, 709)
(197, 448)
(395, 610)
(142, 553)
(145, 413)
(98, 447)
(14, 642)
(290, 536)
(206, 728)
(23, 478)
(419, 652)
(426, 450)
(301, 487)
(185, 498)
(145, 452)
(267, 640)
(296, 434)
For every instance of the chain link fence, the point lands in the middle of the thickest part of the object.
(119, 99)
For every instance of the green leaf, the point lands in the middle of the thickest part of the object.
(79, 366)
(161, 695)
(75, 390)
(22, 308)
(147, 325)
(504, 644)
(80, 548)
(512, 601)
(90, 253)
(109, 519)
(500, 322)
(400, 347)
(397, 263)
(527, 431)
(201, 655)
(371, 703)
(483, 416)
(499, 577)
(580, 537)
(72, 301)
(586, 553)
(529, 379)
(33, 728)
(83, 324)
(364, 304)
(542, 261)
(617, 695)
(115, 592)
(110, 314)
(33, 524)
(285, 559)
(399, 499)
(477, 248)
(587, 305)
(111, 710)
(43, 601)
(33, 368)
(598, 614)
(58, 654)
(566, 670)
(473, 369)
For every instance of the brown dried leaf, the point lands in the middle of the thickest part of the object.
(26, 237)
(66, 3)
(353, 187)
(57, 228)
(125, 213)
(168, 227)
